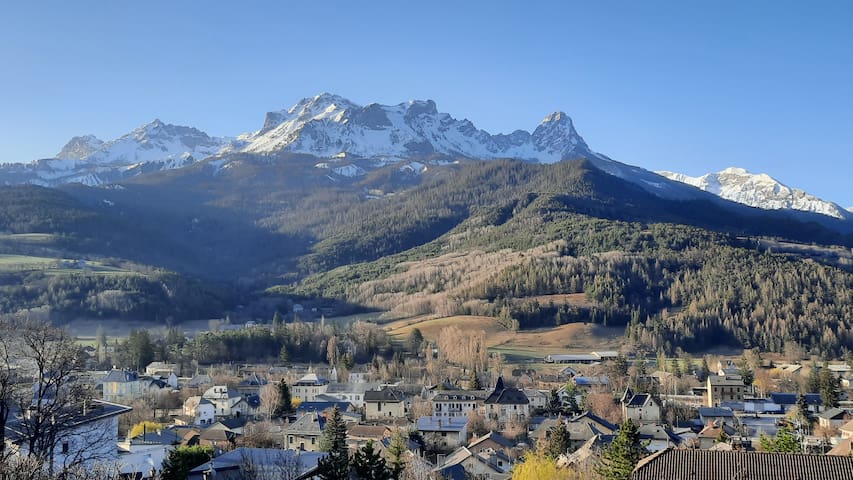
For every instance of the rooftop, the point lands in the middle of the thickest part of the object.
(727, 465)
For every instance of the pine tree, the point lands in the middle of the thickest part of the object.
(619, 459)
(398, 446)
(335, 465)
(369, 465)
(559, 440)
(285, 401)
(745, 371)
(829, 387)
(554, 403)
(813, 382)
(475, 381)
(704, 371)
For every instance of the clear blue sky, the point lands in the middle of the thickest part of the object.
(765, 85)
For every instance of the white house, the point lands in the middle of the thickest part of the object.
(202, 410)
(456, 403)
(384, 404)
(349, 392)
(506, 404)
(444, 433)
(226, 402)
(640, 407)
(87, 437)
(309, 386)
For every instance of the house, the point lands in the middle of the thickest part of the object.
(581, 429)
(727, 465)
(226, 402)
(715, 414)
(723, 388)
(121, 385)
(200, 380)
(87, 437)
(464, 462)
(443, 433)
(657, 437)
(218, 438)
(266, 462)
(587, 384)
(138, 455)
(304, 434)
(385, 403)
(358, 377)
(847, 430)
(787, 401)
(539, 399)
(201, 410)
(833, 417)
(349, 392)
(358, 435)
(640, 407)
(492, 442)
(322, 406)
(715, 432)
(159, 368)
(309, 386)
(506, 404)
(456, 403)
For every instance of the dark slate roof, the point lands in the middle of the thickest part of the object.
(638, 400)
(305, 407)
(791, 398)
(833, 414)
(494, 436)
(387, 395)
(705, 412)
(158, 437)
(506, 395)
(722, 465)
(120, 376)
(232, 423)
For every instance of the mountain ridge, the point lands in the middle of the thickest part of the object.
(759, 190)
(351, 140)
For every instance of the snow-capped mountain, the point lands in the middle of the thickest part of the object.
(328, 125)
(79, 148)
(152, 147)
(759, 190)
(349, 140)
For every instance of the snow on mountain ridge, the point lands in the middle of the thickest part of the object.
(758, 190)
(326, 125)
(80, 147)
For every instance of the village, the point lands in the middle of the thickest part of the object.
(251, 420)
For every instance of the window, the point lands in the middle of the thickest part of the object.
(64, 448)
(313, 439)
(379, 407)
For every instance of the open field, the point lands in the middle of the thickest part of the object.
(523, 345)
(28, 238)
(55, 266)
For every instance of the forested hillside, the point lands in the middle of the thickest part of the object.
(507, 239)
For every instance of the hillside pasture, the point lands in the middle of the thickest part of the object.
(520, 345)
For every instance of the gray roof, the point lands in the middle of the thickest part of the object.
(351, 387)
(387, 395)
(442, 424)
(120, 376)
(267, 460)
(726, 465)
(309, 424)
(506, 395)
